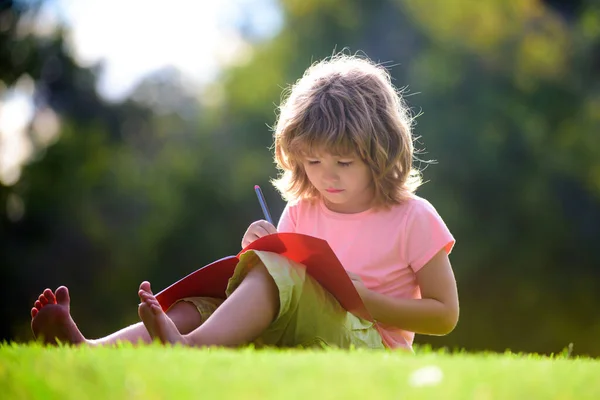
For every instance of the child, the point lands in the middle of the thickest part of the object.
(343, 143)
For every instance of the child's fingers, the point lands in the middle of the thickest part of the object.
(268, 227)
(249, 237)
(263, 230)
(256, 230)
(263, 225)
(354, 276)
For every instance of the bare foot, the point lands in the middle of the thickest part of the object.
(158, 324)
(51, 319)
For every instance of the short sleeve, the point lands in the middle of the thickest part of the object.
(426, 234)
(287, 221)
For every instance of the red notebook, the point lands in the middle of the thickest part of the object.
(320, 260)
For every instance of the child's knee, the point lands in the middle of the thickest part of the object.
(258, 272)
(185, 315)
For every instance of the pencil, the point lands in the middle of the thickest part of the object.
(263, 203)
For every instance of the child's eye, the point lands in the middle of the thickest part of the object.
(312, 162)
(344, 163)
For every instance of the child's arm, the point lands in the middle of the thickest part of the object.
(436, 313)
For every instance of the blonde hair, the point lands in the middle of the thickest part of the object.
(346, 105)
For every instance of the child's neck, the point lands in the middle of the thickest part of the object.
(352, 208)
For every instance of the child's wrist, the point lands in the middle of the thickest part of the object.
(367, 296)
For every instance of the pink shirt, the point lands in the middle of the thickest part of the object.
(384, 248)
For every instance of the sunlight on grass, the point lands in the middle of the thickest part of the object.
(156, 372)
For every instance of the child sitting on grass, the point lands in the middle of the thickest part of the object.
(344, 145)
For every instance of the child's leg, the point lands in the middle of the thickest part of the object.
(273, 302)
(51, 320)
(239, 320)
(185, 316)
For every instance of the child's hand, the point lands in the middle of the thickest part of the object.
(358, 283)
(256, 230)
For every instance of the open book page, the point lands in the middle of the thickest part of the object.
(318, 257)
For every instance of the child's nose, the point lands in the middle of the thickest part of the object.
(330, 176)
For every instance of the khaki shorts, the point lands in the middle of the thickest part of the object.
(309, 316)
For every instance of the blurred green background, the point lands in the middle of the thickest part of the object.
(105, 182)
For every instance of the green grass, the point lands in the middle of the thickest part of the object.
(156, 372)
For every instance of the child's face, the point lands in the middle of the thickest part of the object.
(345, 182)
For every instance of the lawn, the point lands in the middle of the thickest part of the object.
(157, 372)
